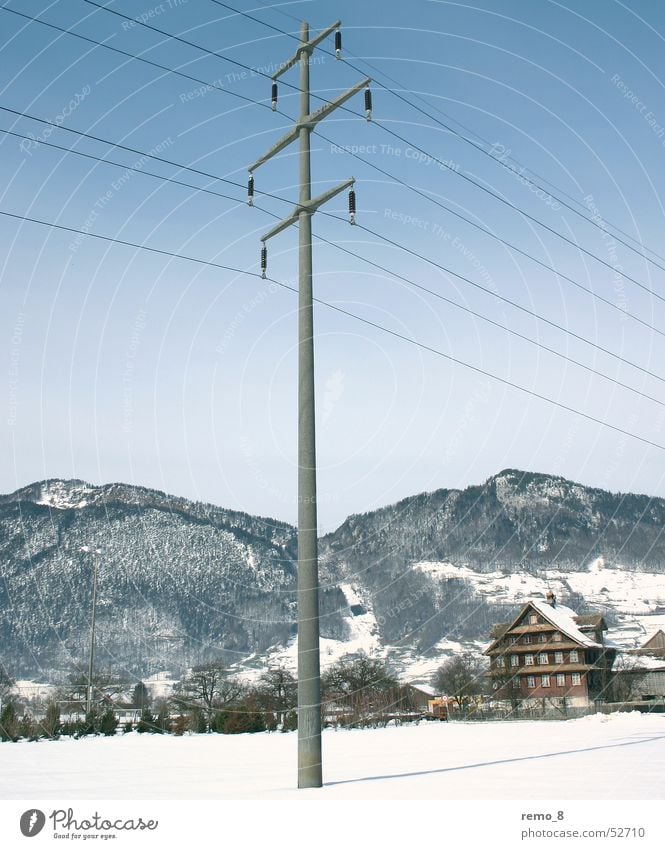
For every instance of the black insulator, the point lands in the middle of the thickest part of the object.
(352, 207)
(274, 96)
(250, 190)
(264, 261)
(338, 44)
(368, 104)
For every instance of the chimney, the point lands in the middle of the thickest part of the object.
(551, 598)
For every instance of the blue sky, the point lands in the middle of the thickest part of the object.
(120, 364)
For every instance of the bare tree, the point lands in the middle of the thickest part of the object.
(362, 684)
(107, 687)
(461, 677)
(627, 672)
(209, 687)
(278, 692)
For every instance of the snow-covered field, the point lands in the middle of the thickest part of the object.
(621, 756)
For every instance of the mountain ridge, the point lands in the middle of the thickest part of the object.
(181, 581)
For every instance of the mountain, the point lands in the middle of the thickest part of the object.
(180, 581)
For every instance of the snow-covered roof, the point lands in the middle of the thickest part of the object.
(630, 662)
(564, 619)
(425, 688)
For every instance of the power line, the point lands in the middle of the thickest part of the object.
(132, 56)
(614, 269)
(209, 52)
(447, 270)
(134, 150)
(391, 132)
(569, 279)
(491, 321)
(349, 314)
(563, 276)
(346, 250)
(465, 139)
(520, 174)
(494, 236)
(134, 169)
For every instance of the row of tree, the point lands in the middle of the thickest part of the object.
(358, 690)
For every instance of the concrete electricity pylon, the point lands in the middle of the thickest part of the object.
(309, 681)
(94, 552)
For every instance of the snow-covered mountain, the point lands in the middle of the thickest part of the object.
(181, 581)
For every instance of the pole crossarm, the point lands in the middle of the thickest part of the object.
(306, 48)
(309, 206)
(327, 108)
(310, 122)
(278, 147)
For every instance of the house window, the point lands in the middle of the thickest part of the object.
(528, 660)
(560, 680)
(501, 662)
(557, 637)
(545, 680)
(543, 658)
(516, 683)
(574, 656)
(527, 639)
(542, 638)
(577, 678)
(558, 657)
(533, 619)
(514, 660)
(513, 640)
(530, 681)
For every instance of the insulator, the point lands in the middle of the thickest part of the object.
(352, 207)
(250, 190)
(338, 44)
(274, 96)
(264, 261)
(368, 104)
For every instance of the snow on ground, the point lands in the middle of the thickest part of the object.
(362, 636)
(620, 756)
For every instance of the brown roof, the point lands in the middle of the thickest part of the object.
(561, 617)
(656, 642)
(594, 619)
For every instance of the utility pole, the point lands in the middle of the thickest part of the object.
(309, 679)
(95, 552)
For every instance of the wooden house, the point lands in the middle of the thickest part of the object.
(655, 646)
(550, 655)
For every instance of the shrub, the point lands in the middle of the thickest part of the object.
(108, 723)
(147, 722)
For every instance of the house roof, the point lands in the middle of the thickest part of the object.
(425, 689)
(628, 662)
(563, 618)
(588, 619)
(656, 642)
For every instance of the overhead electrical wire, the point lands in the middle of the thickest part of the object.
(366, 260)
(372, 232)
(355, 114)
(208, 190)
(462, 278)
(465, 139)
(421, 193)
(341, 310)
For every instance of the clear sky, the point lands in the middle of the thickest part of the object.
(120, 364)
